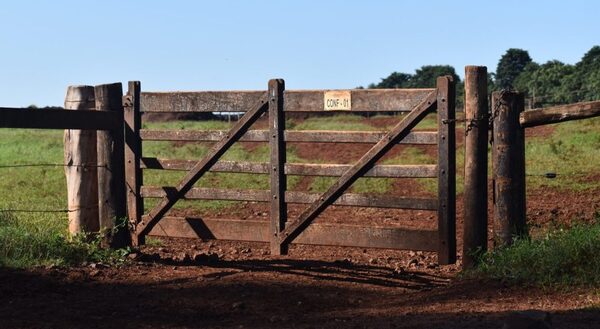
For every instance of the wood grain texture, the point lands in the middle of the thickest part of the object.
(112, 203)
(508, 163)
(133, 154)
(278, 213)
(301, 169)
(475, 195)
(544, 116)
(347, 199)
(315, 234)
(80, 166)
(317, 136)
(446, 94)
(363, 100)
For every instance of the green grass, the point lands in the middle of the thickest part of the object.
(348, 122)
(28, 240)
(563, 257)
(572, 151)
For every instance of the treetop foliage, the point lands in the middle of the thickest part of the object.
(553, 82)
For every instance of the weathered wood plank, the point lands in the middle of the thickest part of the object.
(300, 169)
(58, 119)
(315, 234)
(447, 171)
(133, 153)
(240, 127)
(544, 116)
(388, 171)
(317, 136)
(276, 170)
(112, 201)
(365, 163)
(348, 199)
(363, 100)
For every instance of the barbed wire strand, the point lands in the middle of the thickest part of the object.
(51, 165)
(43, 210)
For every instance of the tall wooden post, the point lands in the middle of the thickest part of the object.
(446, 94)
(133, 154)
(111, 177)
(80, 166)
(508, 158)
(277, 164)
(476, 159)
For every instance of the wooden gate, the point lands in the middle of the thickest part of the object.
(281, 231)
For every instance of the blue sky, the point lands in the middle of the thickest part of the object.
(237, 45)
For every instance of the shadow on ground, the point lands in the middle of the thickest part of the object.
(254, 294)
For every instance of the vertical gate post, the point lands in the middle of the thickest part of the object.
(80, 166)
(508, 158)
(111, 163)
(476, 159)
(277, 165)
(133, 154)
(446, 94)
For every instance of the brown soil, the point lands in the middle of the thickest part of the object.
(239, 285)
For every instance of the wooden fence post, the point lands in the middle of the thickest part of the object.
(476, 159)
(278, 179)
(508, 159)
(446, 94)
(80, 166)
(133, 154)
(111, 177)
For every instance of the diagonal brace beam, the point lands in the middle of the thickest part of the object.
(201, 167)
(365, 163)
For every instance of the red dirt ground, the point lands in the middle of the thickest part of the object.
(239, 285)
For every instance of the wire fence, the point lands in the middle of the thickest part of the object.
(50, 165)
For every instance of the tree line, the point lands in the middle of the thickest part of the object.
(553, 82)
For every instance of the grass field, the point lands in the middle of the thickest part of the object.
(572, 151)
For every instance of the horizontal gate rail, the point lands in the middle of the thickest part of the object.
(347, 199)
(363, 100)
(332, 170)
(318, 136)
(306, 136)
(59, 119)
(315, 234)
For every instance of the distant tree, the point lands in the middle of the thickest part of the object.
(511, 64)
(523, 82)
(426, 76)
(585, 82)
(548, 83)
(394, 80)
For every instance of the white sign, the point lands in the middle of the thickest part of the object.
(337, 100)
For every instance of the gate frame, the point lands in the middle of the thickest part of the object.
(441, 98)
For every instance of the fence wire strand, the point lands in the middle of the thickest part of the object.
(52, 165)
